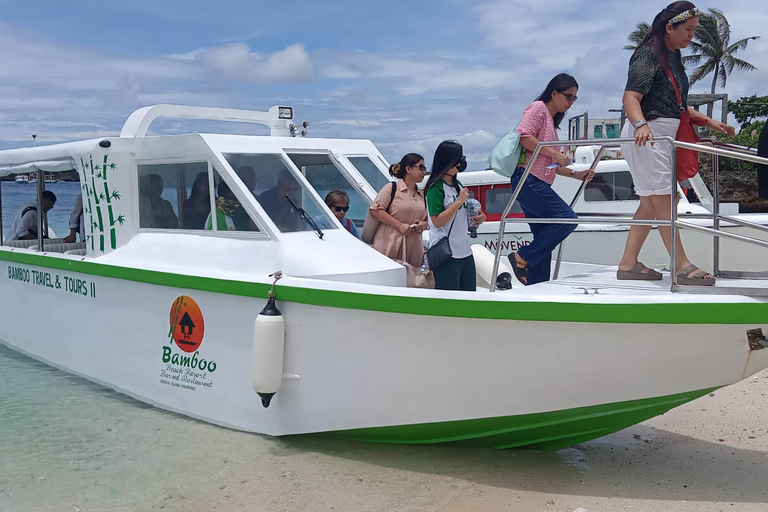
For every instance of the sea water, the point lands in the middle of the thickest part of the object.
(17, 196)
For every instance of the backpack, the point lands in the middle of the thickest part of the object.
(507, 154)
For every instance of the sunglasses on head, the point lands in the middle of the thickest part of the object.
(344, 209)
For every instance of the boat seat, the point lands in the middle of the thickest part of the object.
(77, 252)
(60, 247)
(25, 244)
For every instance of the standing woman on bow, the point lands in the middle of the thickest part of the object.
(651, 102)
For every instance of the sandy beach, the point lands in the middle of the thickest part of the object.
(69, 445)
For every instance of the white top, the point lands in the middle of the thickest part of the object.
(459, 239)
(22, 224)
(76, 217)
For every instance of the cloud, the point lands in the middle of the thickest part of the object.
(236, 61)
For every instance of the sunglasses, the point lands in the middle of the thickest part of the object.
(420, 167)
(461, 163)
(344, 209)
(570, 97)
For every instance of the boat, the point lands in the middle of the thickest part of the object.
(281, 328)
(49, 178)
(21, 178)
(611, 192)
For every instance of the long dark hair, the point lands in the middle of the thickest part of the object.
(398, 170)
(655, 37)
(560, 83)
(447, 155)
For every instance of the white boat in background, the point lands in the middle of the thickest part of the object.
(611, 192)
(159, 308)
(21, 178)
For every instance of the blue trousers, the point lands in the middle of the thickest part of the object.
(538, 200)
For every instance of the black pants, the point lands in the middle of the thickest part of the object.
(456, 274)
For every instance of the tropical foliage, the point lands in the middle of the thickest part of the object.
(747, 109)
(637, 35)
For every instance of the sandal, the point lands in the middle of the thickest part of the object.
(693, 275)
(637, 273)
(519, 271)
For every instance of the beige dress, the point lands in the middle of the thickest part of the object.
(406, 207)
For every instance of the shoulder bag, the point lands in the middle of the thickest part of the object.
(687, 159)
(371, 224)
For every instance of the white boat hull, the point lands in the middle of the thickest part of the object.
(352, 365)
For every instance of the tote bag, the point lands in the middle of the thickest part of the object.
(414, 279)
(506, 155)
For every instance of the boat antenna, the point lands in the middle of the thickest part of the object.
(34, 139)
(305, 216)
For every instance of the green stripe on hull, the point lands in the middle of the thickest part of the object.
(688, 313)
(544, 431)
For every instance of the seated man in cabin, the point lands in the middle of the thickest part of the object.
(25, 224)
(275, 202)
(156, 212)
(76, 221)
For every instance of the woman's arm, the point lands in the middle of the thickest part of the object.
(631, 101)
(385, 218)
(530, 142)
(443, 217)
(711, 123)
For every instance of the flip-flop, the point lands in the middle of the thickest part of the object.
(504, 281)
(519, 271)
(636, 274)
(693, 275)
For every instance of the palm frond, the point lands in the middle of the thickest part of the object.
(742, 65)
(723, 27)
(630, 47)
(692, 60)
(722, 75)
(741, 45)
(702, 71)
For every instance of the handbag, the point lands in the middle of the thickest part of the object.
(415, 278)
(506, 155)
(441, 251)
(687, 159)
(371, 223)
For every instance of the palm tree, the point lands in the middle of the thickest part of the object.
(637, 35)
(712, 44)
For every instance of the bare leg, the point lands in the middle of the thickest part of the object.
(637, 234)
(662, 208)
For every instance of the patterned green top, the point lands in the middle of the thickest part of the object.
(647, 78)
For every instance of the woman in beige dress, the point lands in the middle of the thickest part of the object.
(404, 214)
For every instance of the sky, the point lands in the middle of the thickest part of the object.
(404, 74)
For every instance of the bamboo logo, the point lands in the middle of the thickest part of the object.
(100, 199)
(186, 324)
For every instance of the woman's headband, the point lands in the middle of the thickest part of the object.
(685, 15)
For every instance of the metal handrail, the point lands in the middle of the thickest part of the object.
(673, 222)
(576, 198)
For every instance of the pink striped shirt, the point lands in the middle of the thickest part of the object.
(538, 122)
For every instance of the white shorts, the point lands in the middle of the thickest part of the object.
(651, 165)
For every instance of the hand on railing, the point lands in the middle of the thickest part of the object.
(585, 175)
(721, 127)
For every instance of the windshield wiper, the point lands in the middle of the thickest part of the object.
(305, 216)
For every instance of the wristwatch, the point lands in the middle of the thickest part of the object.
(640, 123)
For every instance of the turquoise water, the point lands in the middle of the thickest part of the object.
(18, 195)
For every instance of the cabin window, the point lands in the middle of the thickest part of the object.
(173, 196)
(611, 186)
(230, 213)
(372, 174)
(496, 199)
(280, 192)
(325, 176)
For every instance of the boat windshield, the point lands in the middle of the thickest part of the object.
(370, 172)
(280, 192)
(324, 176)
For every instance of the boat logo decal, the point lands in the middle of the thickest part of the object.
(187, 326)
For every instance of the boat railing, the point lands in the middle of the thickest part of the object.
(713, 147)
